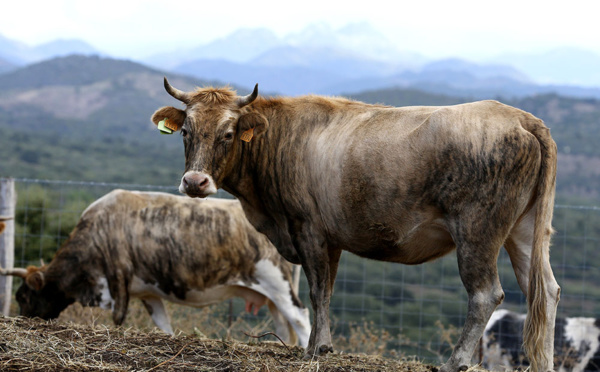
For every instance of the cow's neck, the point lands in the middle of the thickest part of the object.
(78, 255)
(257, 171)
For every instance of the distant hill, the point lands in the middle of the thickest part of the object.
(357, 57)
(13, 51)
(294, 80)
(301, 70)
(247, 45)
(88, 118)
(75, 70)
(21, 54)
(241, 46)
(562, 66)
(6, 66)
(64, 47)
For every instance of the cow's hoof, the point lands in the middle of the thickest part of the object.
(321, 350)
(310, 356)
(324, 349)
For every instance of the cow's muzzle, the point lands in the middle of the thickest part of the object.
(197, 185)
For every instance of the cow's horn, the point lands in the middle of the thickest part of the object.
(246, 100)
(5, 218)
(176, 93)
(20, 272)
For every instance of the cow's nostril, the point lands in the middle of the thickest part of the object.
(204, 182)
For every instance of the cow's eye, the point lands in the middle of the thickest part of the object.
(228, 136)
(184, 132)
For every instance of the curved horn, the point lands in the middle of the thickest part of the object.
(5, 218)
(20, 272)
(176, 93)
(246, 100)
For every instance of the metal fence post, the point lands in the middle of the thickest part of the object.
(8, 199)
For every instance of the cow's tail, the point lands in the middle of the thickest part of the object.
(534, 330)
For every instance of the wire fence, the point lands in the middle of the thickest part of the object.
(414, 310)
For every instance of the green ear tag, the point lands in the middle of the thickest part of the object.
(162, 128)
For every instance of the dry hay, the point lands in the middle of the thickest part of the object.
(35, 345)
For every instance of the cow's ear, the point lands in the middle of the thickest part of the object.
(35, 280)
(252, 125)
(176, 117)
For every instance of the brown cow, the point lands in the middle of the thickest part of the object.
(410, 184)
(157, 246)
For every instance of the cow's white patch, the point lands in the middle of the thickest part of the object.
(273, 285)
(583, 335)
(106, 300)
(159, 314)
(499, 314)
(209, 296)
(495, 357)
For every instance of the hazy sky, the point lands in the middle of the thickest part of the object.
(468, 28)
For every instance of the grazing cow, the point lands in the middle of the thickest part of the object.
(576, 343)
(408, 185)
(154, 245)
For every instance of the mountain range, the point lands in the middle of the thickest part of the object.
(88, 118)
(16, 53)
(351, 59)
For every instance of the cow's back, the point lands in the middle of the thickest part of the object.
(176, 242)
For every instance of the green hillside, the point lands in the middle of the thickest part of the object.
(88, 118)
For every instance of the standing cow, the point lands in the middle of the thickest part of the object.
(318, 175)
(159, 246)
(576, 343)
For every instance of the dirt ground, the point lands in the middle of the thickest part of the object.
(35, 345)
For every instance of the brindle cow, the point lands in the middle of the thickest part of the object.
(156, 245)
(410, 184)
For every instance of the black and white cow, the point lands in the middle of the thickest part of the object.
(576, 343)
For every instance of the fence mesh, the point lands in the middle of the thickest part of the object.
(416, 310)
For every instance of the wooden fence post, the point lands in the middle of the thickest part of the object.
(8, 199)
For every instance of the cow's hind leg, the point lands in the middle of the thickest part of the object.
(283, 329)
(477, 263)
(519, 246)
(157, 311)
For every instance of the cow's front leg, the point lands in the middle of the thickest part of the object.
(320, 266)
